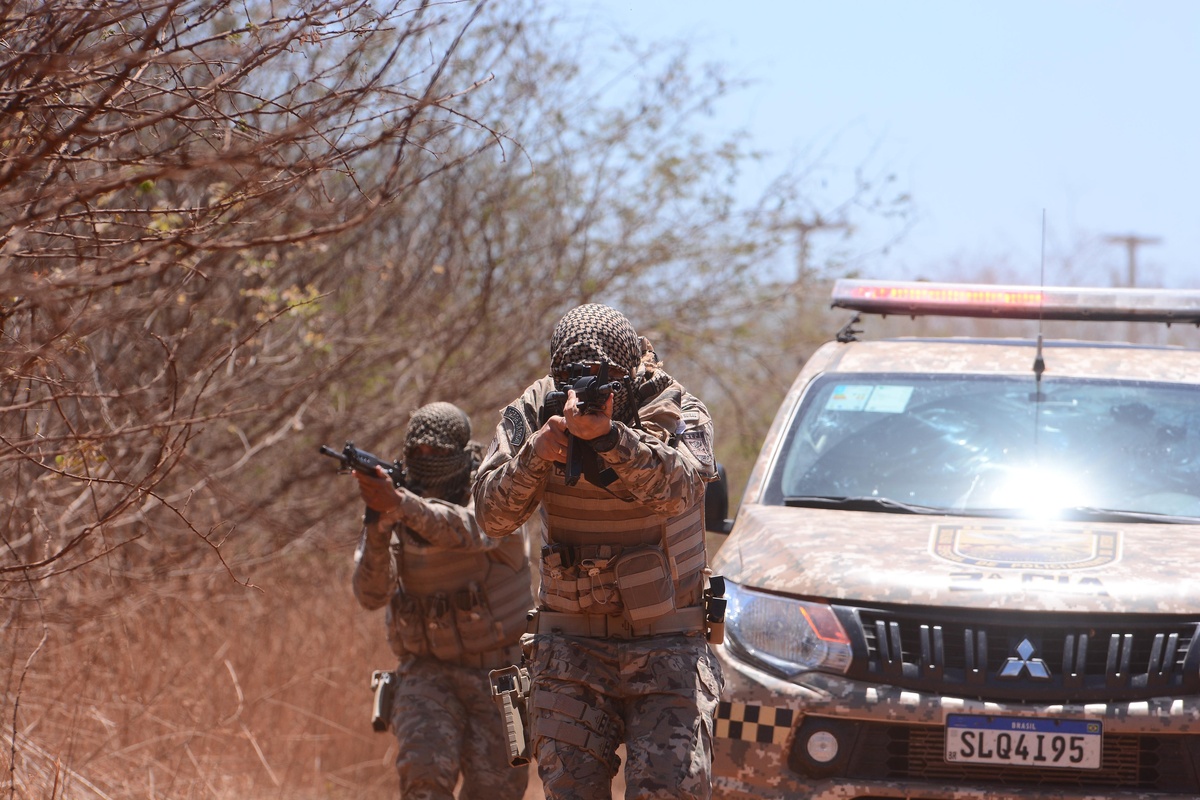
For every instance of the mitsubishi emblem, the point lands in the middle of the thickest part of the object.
(1037, 668)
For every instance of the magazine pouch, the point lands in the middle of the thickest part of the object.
(440, 628)
(473, 618)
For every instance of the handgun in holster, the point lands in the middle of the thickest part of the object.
(383, 683)
(714, 609)
(510, 690)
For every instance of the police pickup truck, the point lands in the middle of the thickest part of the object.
(969, 567)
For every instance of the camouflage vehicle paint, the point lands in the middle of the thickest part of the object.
(897, 577)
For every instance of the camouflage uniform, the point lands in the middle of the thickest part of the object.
(456, 606)
(619, 654)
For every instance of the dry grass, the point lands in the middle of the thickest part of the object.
(195, 686)
(198, 687)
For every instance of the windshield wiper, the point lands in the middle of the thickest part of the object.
(1092, 514)
(886, 505)
(1077, 514)
(880, 504)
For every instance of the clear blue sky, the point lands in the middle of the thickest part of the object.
(989, 113)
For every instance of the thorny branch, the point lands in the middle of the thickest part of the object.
(161, 160)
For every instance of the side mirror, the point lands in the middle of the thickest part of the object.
(716, 504)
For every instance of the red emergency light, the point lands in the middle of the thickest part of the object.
(921, 298)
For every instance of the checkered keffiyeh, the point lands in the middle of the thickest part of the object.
(447, 427)
(597, 333)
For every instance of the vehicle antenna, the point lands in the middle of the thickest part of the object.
(1039, 363)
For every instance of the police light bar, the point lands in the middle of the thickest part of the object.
(921, 298)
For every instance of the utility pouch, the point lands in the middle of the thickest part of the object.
(440, 629)
(510, 690)
(474, 620)
(643, 579)
(406, 633)
(383, 684)
(714, 610)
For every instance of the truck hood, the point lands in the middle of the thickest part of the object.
(968, 562)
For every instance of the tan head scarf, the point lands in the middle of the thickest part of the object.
(445, 476)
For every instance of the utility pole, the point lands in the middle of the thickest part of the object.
(803, 228)
(1132, 242)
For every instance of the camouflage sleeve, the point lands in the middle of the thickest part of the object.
(509, 484)
(444, 524)
(374, 565)
(666, 476)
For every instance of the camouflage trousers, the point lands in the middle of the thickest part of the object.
(447, 722)
(656, 695)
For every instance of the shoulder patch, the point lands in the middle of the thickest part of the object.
(514, 427)
(697, 441)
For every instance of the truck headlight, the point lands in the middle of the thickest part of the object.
(786, 635)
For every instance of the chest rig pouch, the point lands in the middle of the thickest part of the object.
(635, 582)
(445, 625)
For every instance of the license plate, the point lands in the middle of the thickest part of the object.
(1023, 741)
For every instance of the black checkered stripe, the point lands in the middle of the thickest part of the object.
(762, 724)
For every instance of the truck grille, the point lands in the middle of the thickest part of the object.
(1025, 656)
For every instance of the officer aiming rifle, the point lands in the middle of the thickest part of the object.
(455, 604)
(592, 388)
(619, 644)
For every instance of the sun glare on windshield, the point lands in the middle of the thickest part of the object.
(1035, 491)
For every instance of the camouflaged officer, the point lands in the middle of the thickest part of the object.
(619, 653)
(456, 607)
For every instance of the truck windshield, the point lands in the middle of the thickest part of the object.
(986, 444)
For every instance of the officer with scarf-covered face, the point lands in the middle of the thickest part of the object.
(456, 607)
(618, 652)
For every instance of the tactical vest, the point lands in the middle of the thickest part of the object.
(605, 553)
(459, 606)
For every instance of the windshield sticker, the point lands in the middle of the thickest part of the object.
(880, 399)
(889, 399)
(848, 398)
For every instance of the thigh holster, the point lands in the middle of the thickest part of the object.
(569, 721)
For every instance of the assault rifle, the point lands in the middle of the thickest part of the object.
(360, 460)
(592, 392)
